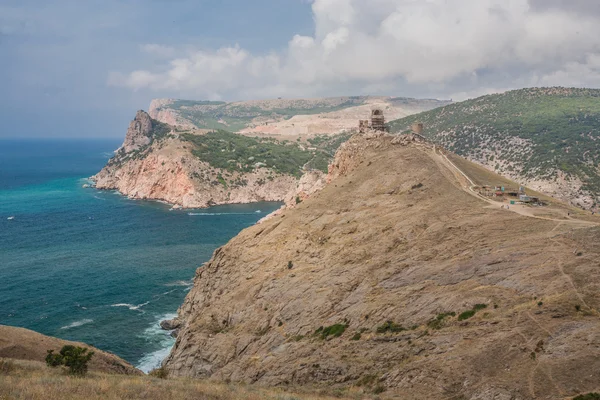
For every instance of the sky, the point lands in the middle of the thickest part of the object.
(81, 68)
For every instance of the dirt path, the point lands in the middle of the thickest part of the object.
(468, 186)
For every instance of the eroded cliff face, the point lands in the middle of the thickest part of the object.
(155, 163)
(362, 284)
(138, 133)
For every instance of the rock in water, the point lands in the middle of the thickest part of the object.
(170, 324)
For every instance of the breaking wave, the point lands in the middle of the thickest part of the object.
(130, 306)
(77, 323)
(224, 213)
(158, 337)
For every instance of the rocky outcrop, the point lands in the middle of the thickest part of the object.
(155, 165)
(138, 133)
(171, 173)
(23, 344)
(170, 324)
(395, 277)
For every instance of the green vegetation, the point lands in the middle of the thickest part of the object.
(469, 313)
(73, 357)
(589, 396)
(540, 131)
(233, 152)
(335, 330)
(356, 336)
(438, 321)
(390, 326)
(466, 315)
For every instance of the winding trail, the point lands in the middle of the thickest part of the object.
(467, 184)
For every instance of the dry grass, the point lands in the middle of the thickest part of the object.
(33, 380)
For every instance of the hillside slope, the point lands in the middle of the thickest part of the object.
(23, 344)
(286, 117)
(547, 138)
(30, 380)
(395, 277)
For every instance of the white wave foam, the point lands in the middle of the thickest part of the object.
(180, 283)
(77, 323)
(232, 213)
(130, 306)
(155, 334)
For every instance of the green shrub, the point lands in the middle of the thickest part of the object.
(356, 336)
(589, 396)
(478, 307)
(438, 321)
(390, 326)
(466, 315)
(290, 265)
(335, 330)
(73, 357)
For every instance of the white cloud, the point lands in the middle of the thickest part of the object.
(416, 47)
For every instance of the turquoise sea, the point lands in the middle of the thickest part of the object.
(94, 266)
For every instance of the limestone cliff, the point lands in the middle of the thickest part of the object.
(158, 161)
(395, 276)
(139, 132)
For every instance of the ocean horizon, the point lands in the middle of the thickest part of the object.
(94, 266)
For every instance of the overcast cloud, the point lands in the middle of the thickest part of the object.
(448, 48)
(82, 68)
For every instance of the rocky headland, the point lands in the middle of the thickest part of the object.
(156, 162)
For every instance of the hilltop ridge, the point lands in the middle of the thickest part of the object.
(396, 277)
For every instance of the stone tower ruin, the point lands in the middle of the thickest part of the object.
(377, 120)
(363, 125)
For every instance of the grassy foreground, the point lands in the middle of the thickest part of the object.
(33, 380)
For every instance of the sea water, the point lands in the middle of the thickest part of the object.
(93, 266)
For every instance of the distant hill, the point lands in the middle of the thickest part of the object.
(284, 116)
(547, 138)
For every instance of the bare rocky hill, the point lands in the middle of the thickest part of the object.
(396, 278)
(285, 117)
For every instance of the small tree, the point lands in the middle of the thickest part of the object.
(73, 357)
